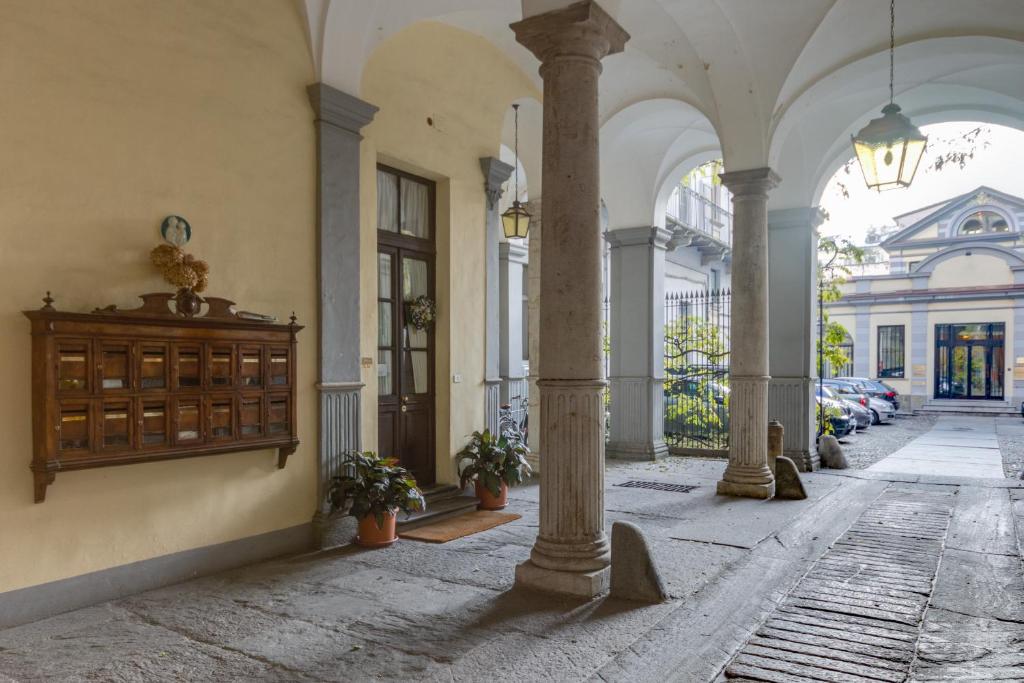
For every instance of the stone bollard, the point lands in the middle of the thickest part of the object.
(775, 440)
(831, 453)
(634, 574)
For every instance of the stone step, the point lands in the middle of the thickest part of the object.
(442, 502)
(994, 409)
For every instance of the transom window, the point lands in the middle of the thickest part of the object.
(983, 222)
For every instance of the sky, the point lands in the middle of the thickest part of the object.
(997, 164)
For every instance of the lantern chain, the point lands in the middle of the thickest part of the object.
(892, 49)
(515, 108)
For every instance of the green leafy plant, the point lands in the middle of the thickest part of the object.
(831, 413)
(835, 258)
(697, 366)
(374, 485)
(491, 460)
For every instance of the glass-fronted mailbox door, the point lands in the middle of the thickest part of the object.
(155, 424)
(154, 366)
(115, 366)
(222, 418)
(116, 425)
(74, 360)
(187, 366)
(74, 427)
(250, 417)
(279, 413)
(222, 366)
(280, 361)
(188, 423)
(251, 365)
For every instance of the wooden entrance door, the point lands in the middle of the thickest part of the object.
(405, 353)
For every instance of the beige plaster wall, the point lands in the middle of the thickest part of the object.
(929, 233)
(976, 270)
(464, 86)
(895, 285)
(115, 114)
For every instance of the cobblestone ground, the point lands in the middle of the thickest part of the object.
(864, 449)
(1010, 433)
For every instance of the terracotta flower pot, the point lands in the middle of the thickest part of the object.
(372, 536)
(487, 499)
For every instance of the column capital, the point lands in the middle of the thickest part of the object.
(750, 183)
(339, 108)
(629, 237)
(516, 253)
(809, 216)
(582, 29)
(496, 172)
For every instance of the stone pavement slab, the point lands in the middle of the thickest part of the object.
(956, 446)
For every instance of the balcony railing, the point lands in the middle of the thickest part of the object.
(693, 210)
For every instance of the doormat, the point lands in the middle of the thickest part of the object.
(457, 527)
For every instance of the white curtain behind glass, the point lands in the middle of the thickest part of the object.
(387, 202)
(415, 209)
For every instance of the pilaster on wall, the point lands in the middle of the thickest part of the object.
(792, 288)
(862, 340)
(637, 329)
(339, 119)
(496, 172)
(918, 357)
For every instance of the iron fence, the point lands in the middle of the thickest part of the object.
(697, 371)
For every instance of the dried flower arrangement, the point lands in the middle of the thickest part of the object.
(180, 269)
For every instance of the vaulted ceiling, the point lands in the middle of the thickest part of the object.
(780, 83)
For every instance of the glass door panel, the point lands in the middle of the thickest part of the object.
(116, 425)
(186, 365)
(115, 365)
(188, 420)
(222, 418)
(153, 372)
(251, 362)
(222, 366)
(978, 369)
(74, 427)
(154, 424)
(959, 372)
(416, 354)
(279, 366)
(385, 325)
(250, 416)
(73, 359)
(278, 423)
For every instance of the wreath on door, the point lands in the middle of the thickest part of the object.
(420, 312)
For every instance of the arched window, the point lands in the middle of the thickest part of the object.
(983, 222)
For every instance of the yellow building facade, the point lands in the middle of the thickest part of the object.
(945, 325)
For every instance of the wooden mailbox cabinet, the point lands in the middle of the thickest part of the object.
(117, 387)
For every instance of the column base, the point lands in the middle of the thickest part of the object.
(731, 488)
(577, 584)
(636, 451)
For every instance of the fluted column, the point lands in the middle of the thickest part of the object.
(533, 326)
(571, 554)
(747, 473)
(496, 172)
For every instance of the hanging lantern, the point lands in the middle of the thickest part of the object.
(515, 221)
(889, 148)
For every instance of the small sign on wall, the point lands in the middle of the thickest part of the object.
(1018, 369)
(920, 370)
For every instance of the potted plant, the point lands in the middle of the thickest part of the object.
(493, 462)
(374, 489)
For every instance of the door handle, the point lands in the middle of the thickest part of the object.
(405, 408)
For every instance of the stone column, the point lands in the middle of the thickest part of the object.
(747, 473)
(533, 326)
(637, 329)
(792, 351)
(339, 118)
(512, 256)
(496, 172)
(571, 554)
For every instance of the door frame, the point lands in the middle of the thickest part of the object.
(401, 246)
(988, 344)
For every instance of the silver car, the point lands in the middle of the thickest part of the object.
(881, 411)
(862, 416)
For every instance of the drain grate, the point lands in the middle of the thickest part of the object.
(657, 486)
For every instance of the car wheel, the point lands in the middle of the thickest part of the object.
(874, 417)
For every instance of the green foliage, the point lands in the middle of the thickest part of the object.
(374, 485)
(696, 363)
(831, 412)
(835, 256)
(709, 169)
(491, 460)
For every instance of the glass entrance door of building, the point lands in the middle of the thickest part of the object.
(969, 362)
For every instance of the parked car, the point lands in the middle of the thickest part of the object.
(876, 388)
(863, 417)
(842, 423)
(881, 410)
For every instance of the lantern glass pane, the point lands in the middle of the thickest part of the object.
(914, 151)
